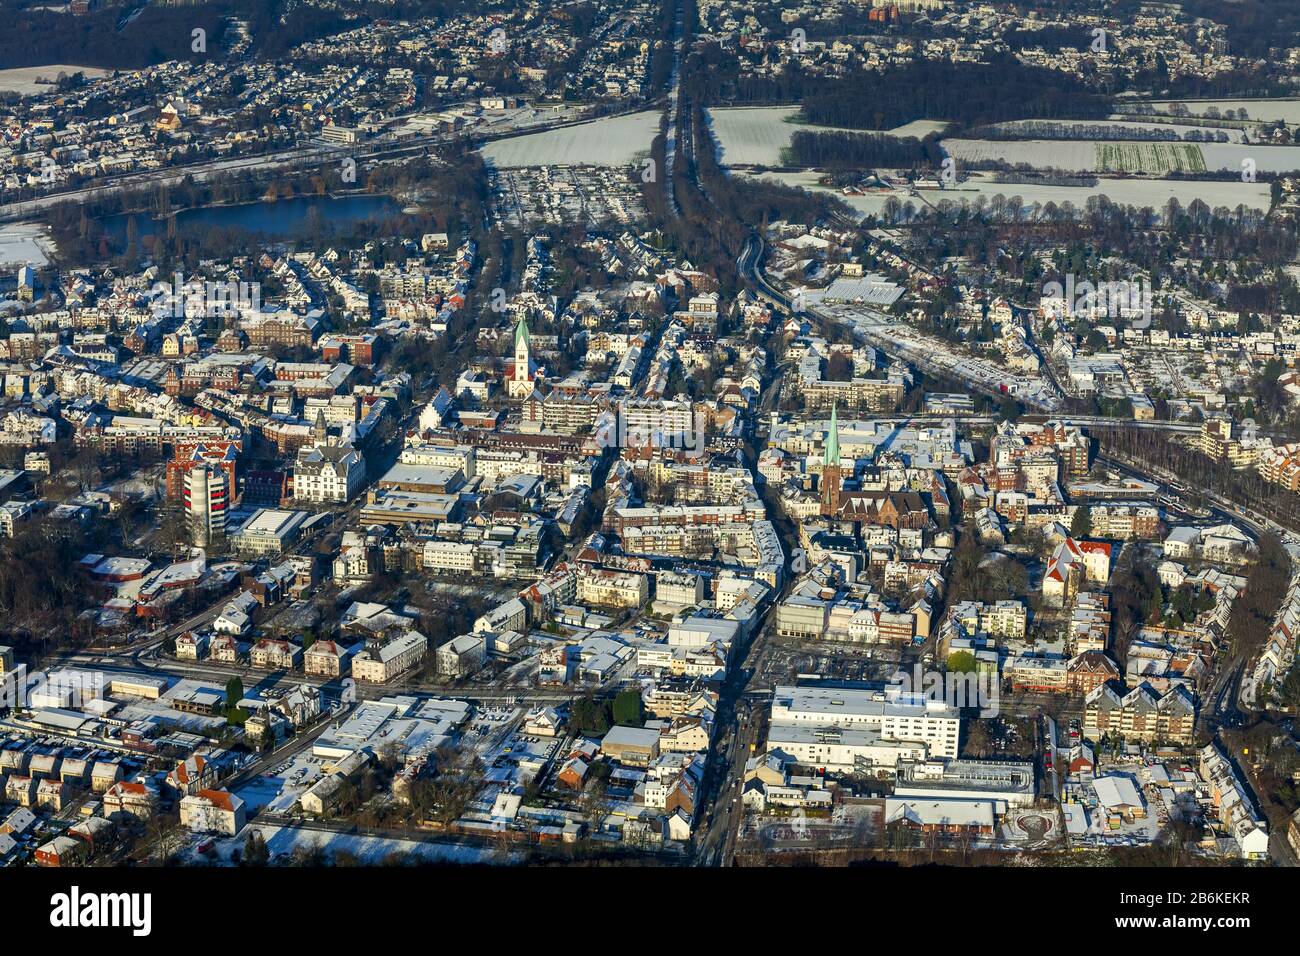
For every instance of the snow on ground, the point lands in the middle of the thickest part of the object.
(23, 243)
(23, 79)
(1268, 159)
(1234, 135)
(280, 789)
(496, 121)
(1265, 110)
(1039, 153)
(870, 204)
(1083, 155)
(369, 850)
(756, 135)
(612, 141)
(1125, 192)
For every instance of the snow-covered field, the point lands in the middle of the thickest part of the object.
(612, 141)
(755, 135)
(22, 79)
(1076, 155)
(1234, 135)
(867, 205)
(1288, 110)
(1123, 156)
(1125, 192)
(23, 243)
(1268, 159)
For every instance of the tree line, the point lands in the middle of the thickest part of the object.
(967, 94)
(836, 149)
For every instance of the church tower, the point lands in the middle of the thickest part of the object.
(522, 358)
(831, 472)
(521, 374)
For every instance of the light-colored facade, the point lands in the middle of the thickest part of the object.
(213, 811)
(328, 474)
(899, 719)
(462, 656)
(381, 661)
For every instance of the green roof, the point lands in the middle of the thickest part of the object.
(521, 332)
(832, 456)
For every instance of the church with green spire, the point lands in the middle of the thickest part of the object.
(521, 379)
(832, 455)
(832, 480)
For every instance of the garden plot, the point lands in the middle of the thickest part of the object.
(1157, 158)
(1145, 158)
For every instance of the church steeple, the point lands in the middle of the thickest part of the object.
(521, 383)
(832, 476)
(832, 455)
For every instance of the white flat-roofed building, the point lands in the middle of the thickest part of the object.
(268, 531)
(632, 745)
(896, 719)
(418, 725)
(458, 457)
(430, 479)
(389, 506)
(1006, 783)
(947, 816)
(449, 556)
(699, 631)
(802, 617)
(837, 748)
(150, 688)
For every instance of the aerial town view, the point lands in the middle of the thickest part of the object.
(658, 434)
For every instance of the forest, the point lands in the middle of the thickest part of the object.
(835, 149)
(964, 93)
